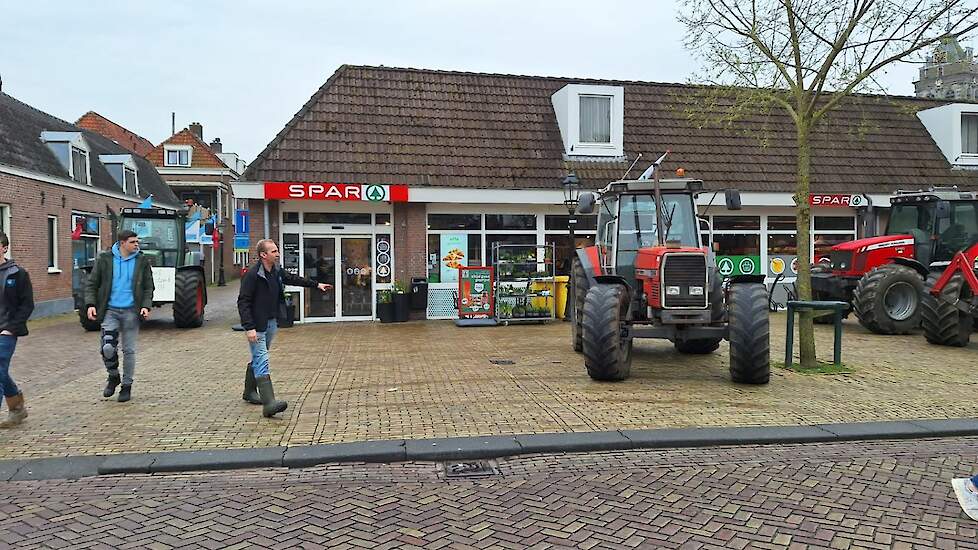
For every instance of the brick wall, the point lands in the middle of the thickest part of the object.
(29, 230)
(410, 241)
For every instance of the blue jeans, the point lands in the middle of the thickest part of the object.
(259, 349)
(7, 346)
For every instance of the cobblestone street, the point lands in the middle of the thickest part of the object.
(369, 381)
(855, 495)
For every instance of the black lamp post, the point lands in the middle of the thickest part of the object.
(572, 191)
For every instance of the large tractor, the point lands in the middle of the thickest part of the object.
(883, 277)
(649, 276)
(178, 273)
(950, 306)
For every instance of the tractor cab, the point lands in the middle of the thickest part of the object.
(161, 234)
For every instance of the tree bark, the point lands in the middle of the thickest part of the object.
(806, 329)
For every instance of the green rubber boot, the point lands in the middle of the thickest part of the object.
(250, 387)
(270, 406)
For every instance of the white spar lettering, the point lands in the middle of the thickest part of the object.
(297, 191)
(877, 246)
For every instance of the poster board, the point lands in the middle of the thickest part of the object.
(475, 299)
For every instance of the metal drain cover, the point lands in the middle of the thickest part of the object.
(502, 362)
(468, 468)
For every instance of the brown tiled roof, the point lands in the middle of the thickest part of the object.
(455, 129)
(126, 138)
(202, 157)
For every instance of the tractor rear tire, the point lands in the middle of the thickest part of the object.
(750, 342)
(698, 346)
(943, 323)
(607, 354)
(188, 302)
(887, 299)
(577, 308)
(86, 323)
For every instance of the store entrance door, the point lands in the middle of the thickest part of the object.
(346, 263)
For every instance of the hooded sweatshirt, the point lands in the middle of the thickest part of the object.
(122, 273)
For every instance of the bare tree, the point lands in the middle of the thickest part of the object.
(805, 56)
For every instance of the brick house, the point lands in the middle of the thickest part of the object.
(467, 160)
(57, 184)
(123, 136)
(203, 173)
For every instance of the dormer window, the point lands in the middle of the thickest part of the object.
(71, 150)
(954, 128)
(123, 170)
(591, 119)
(177, 155)
(79, 165)
(129, 181)
(969, 134)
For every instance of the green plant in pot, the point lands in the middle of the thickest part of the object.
(402, 302)
(385, 306)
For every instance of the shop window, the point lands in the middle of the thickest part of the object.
(455, 221)
(449, 251)
(781, 223)
(559, 223)
(382, 219)
(738, 254)
(508, 239)
(514, 222)
(835, 223)
(563, 252)
(736, 223)
(290, 217)
(336, 218)
(823, 243)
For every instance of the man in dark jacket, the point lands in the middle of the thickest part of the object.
(261, 304)
(118, 292)
(16, 306)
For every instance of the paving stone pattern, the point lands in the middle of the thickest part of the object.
(370, 381)
(841, 495)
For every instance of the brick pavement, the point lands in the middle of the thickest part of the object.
(840, 495)
(366, 381)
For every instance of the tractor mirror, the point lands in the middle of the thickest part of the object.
(585, 204)
(733, 199)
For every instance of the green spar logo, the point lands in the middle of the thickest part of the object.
(375, 193)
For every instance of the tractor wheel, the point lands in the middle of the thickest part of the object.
(944, 324)
(750, 346)
(698, 346)
(86, 323)
(188, 302)
(607, 354)
(577, 307)
(887, 299)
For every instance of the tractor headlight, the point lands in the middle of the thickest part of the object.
(672, 291)
(695, 291)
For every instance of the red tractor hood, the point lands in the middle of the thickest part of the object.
(869, 241)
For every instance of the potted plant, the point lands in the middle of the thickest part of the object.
(519, 311)
(385, 306)
(402, 302)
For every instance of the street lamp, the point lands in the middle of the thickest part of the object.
(572, 190)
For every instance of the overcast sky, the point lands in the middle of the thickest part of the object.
(243, 68)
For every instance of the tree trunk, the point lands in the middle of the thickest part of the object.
(806, 329)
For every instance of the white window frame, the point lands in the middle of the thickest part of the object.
(567, 108)
(611, 116)
(5, 223)
(126, 161)
(166, 155)
(53, 259)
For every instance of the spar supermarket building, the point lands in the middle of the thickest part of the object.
(382, 168)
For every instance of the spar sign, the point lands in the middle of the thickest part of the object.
(335, 191)
(836, 200)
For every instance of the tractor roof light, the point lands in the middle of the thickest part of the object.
(680, 172)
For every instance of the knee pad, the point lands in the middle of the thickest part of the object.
(110, 348)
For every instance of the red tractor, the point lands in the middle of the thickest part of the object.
(950, 305)
(883, 277)
(649, 276)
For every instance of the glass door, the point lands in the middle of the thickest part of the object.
(347, 264)
(319, 255)
(356, 277)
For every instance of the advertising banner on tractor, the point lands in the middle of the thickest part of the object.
(454, 247)
(475, 292)
(729, 266)
(282, 190)
(836, 200)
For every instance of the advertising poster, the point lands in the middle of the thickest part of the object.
(729, 266)
(784, 265)
(453, 250)
(475, 292)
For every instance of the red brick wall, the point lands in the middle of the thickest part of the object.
(410, 241)
(28, 228)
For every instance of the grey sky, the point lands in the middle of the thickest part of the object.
(243, 68)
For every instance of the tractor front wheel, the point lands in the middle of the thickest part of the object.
(576, 305)
(607, 351)
(887, 299)
(943, 323)
(188, 299)
(750, 345)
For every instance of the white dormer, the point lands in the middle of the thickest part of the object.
(123, 170)
(72, 152)
(954, 128)
(591, 119)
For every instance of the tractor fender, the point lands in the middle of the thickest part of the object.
(747, 279)
(198, 269)
(913, 264)
(613, 280)
(590, 262)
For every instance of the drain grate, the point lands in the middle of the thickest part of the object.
(468, 468)
(502, 362)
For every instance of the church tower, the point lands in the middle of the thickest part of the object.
(949, 73)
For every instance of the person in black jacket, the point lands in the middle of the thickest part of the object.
(16, 306)
(261, 305)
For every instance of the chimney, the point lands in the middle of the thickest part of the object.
(216, 146)
(197, 129)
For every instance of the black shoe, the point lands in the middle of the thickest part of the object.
(111, 385)
(125, 394)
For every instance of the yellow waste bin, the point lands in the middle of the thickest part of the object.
(561, 294)
(557, 294)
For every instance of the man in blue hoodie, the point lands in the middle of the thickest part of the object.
(118, 293)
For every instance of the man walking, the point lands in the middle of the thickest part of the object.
(16, 306)
(261, 304)
(120, 291)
